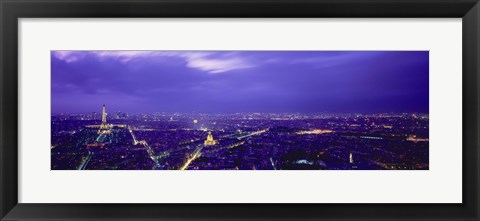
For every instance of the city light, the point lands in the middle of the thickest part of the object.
(240, 141)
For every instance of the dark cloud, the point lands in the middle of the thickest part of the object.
(253, 81)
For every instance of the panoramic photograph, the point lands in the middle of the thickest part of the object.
(239, 110)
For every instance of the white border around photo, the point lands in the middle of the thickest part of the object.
(442, 183)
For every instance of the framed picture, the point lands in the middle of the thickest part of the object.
(227, 110)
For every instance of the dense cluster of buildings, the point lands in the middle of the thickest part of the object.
(243, 141)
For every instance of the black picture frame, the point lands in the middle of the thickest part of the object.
(12, 10)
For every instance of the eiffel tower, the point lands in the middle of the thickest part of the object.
(104, 127)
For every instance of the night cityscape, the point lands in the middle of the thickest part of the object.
(239, 110)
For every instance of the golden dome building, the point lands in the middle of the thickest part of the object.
(210, 141)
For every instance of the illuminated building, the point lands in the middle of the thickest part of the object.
(104, 116)
(210, 141)
(351, 158)
(415, 139)
(195, 121)
(104, 127)
(316, 131)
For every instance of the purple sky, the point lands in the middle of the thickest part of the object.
(240, 81)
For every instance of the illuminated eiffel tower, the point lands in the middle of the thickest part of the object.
(104, 127)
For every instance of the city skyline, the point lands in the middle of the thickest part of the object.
(240, 142)
(240, 81)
